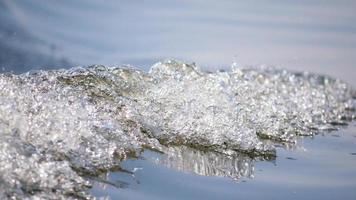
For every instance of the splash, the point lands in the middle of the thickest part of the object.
(60, 127)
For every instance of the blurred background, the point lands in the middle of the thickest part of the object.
(314, 35)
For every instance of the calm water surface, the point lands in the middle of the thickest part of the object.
(317, 36)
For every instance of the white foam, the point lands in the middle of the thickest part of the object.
(57, 127)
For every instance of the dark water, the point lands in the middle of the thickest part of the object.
(318, 36)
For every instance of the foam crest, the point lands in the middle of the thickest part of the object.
(59, 128)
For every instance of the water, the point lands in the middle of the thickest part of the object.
(239, 128)
(63, 128)
(317, 36)
(320, 168)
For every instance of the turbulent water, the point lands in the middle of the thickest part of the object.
(58, 128)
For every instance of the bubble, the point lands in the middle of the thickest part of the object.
(60, 127)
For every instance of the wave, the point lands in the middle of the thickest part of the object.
(60, 127)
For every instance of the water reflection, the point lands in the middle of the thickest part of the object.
(236, 166)
(317, 169)
(178, 158)
(209, 163)
(206, 163)
(182, 159)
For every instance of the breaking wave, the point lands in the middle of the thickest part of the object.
(57, 128)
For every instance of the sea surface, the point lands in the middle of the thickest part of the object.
(321, 168)
(178, 100)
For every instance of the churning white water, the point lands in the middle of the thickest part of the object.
(59, 127)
